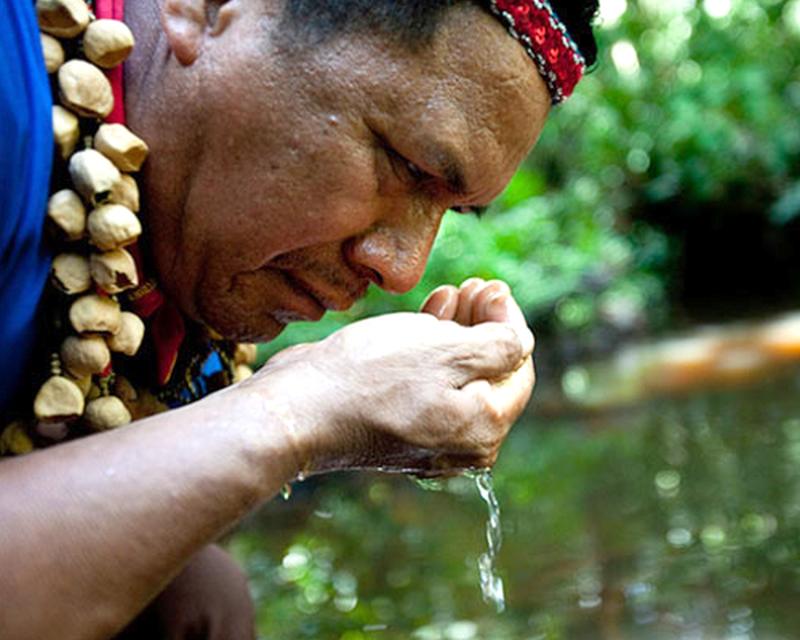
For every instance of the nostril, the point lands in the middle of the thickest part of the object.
(373, 276)
(358, 267)
(368, 273)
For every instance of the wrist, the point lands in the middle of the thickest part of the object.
(304, 405)
(264, 432)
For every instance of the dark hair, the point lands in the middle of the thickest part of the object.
(414, 22)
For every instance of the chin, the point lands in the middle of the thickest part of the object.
(262, 328)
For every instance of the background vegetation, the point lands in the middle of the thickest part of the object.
(665, 192)
(667, 189)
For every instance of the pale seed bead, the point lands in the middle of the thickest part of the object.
(70, 273)
(14, 439)
(112, 226)
(114, 271)
(241, 372)
(92, 313)
(121, 146)
(58, 399)
(85, 356)
(107, 412)
(84, 384)
(53, 53)
(107, 43)
(85, 89)
(129, 337)
(66, 130)
(62, 18)
(125, 192)
(93, 175)
(66, 210)
(245, 353)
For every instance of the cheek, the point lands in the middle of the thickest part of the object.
(267, 197)
(270, 195)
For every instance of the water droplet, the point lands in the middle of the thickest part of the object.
(286, 491)
(429, 484)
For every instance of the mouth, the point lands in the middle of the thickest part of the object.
(318, 298)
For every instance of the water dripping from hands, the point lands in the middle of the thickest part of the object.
(492, 588)
(491, 584)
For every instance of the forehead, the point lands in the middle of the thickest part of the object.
(472, 91)
(486, 99)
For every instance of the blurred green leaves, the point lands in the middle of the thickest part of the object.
(692, 102)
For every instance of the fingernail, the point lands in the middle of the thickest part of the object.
(437, 309)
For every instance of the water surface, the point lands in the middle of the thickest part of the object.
(678, 518)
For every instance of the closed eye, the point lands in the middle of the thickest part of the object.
(418, 174)
(411, 171)
(467, 209)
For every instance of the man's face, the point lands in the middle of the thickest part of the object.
(304, 178)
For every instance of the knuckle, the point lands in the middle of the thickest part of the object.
(499, 286)
(508, 345)
(470, 283)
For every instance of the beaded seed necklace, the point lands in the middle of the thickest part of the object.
(101, 295)
(99, 298)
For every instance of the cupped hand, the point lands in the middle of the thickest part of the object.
(422, 392)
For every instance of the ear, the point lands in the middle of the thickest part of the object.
(184, 23)
(188, 22)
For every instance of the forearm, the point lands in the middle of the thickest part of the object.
(93, 529)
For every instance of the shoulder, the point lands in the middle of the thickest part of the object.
(26, 149)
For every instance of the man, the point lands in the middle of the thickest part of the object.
(299, 151)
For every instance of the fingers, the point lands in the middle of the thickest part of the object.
(466, 295)
(516, 320)
(477, 302)
(442, 302)
(502, 401)
(474, 295)
(465, 304)
(489, 351)
(488, 305)
(512, 394)
(494, 303)
(494, 407)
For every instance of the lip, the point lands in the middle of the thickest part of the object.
(335, 300)
(312, 311)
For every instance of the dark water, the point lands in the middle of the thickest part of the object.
(675, 519)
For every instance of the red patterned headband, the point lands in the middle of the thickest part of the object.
(537, 28)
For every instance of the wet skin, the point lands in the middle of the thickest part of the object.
(280, 185)
(325, 169)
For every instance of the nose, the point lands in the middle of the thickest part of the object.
(394, 252)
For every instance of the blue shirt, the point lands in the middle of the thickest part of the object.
(26, 153)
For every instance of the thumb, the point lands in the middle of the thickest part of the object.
(503, 308)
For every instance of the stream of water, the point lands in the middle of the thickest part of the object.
(491, 584)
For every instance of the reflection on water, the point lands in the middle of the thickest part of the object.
(672, 519)
(709, 357)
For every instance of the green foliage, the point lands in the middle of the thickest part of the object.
(691, 103)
